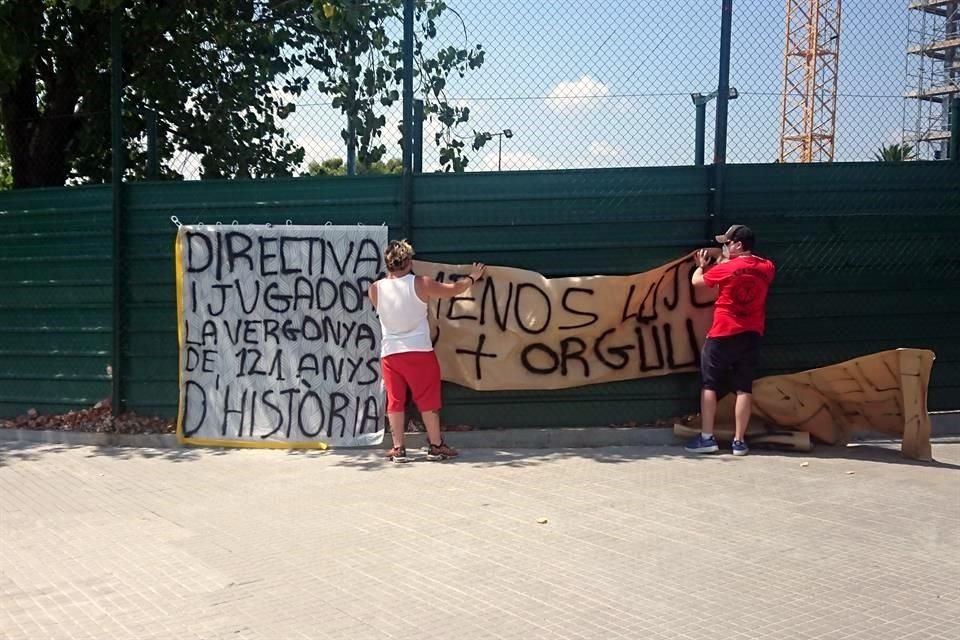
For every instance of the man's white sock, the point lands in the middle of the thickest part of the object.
(705, 436)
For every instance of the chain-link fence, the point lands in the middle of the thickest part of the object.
(609, 83)
(267, 88)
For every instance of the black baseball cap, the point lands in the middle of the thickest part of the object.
(738, 233)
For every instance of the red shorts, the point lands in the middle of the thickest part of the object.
(418, 370)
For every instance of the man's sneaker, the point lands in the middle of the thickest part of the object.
(441, 452)
(740, 448)
(700, 444)
(397, 454)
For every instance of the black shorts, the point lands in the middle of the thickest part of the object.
(728, 363)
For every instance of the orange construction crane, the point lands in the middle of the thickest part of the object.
(810, 64)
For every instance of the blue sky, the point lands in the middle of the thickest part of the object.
(607, 82)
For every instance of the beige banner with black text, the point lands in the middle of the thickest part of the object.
(516, 329)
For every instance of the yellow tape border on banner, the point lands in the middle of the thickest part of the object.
(205, 442)
(178, 268)
(248, 444)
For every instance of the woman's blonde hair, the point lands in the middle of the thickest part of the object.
(398, 253)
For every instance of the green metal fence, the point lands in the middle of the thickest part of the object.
(55, 298)
(866, 253)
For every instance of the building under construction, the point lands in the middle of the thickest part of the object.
(933, 75)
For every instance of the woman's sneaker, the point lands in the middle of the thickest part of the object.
(740, 448)
(397, 454)
(441, 452)
(702, 444)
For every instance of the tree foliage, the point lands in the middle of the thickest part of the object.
(896, 152)
(6, 177)
(221, 75)
(370, 75)
(337, 167)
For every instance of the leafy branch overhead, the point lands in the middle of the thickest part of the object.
(221, 75)
(363, 69)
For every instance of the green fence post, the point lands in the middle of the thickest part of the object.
(955, 128)
(701, 133)
(723, 97)
(418, 136)
(408, 108)
(153, 162)
(116, 130)
(351, 149)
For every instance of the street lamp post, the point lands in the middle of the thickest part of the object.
(506, 133)
(700, 101)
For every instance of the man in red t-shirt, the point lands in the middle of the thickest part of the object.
(729, 353)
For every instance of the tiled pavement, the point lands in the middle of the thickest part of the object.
(638, 543)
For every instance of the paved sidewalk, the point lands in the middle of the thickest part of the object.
(639, 543)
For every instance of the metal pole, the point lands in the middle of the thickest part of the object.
(701, 133)
(418, 136)
(499, 149)
(153, 164)
(723, 96)
(955, 128)
(407, 197)
(116, 130)
(351, 149)
(723, 84)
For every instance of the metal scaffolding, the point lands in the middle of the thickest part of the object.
(933, 75)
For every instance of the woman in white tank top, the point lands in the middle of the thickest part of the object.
(407, 359)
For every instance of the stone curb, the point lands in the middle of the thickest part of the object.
(91, 439)
(484, 439)
(945, 424)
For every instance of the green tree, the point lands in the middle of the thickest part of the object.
(393, 166)
(337, 167)
(895, 153)
(362, 69)
(329, 167)
(215, 72)
(6, 178)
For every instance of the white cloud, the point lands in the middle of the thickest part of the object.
(280, 96)
(510, 161)
(895, 135)
(318, 132)
(601, 149)
(320, 147)
(577, 94)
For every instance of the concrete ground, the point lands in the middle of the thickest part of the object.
(625, 542)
